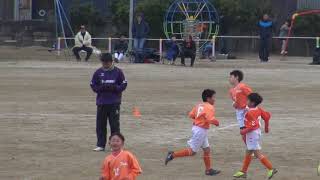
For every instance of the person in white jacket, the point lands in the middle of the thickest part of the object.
(82, 41)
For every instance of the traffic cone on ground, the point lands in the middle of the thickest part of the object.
(136, 112)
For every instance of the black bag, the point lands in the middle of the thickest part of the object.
(316, 56)
(146, 54)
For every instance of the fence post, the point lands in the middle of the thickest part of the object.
(110, 48)
(160, 50)
(318, 42)
(59, 46)
(214, 46)
(198, 53)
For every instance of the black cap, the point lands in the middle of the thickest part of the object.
(106, 57)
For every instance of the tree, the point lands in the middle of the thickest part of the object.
(243, 15)
(307, 26)
(120, 15)
(154, 12)
(85, 14)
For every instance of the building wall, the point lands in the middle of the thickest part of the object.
(40, 5)
(308, 4)
(103, 6)
(29, 9)
(6, 10)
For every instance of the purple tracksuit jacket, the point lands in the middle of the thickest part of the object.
(104, 77)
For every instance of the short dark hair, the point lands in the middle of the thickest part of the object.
(207, 93)
(288, 21)
(255, 98)
(106, 57)
(238, 74)
(117, 134)
(139, 14)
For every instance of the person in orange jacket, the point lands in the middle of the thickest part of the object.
(253, 136)
(238, 94)
(202, 115)
(120, 164)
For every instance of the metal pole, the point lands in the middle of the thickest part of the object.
(110, 48)
(65, 16)
(130, 24)
(160, 50)
(318, 42)
(16, 10)
(58, 46)
(61, 24)
(213, 46)
(56, 19)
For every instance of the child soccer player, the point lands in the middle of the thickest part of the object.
(202, 116)
(238, 94)
(253, 135)
(121, 164)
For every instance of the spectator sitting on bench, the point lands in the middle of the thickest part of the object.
(172, 50)
(120, 49)
(188, 50)
(82, 42)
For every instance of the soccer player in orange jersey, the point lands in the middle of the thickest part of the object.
(253, 135)
(202, 116)
(238, 94)
(121, 164)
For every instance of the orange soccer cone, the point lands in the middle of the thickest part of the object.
(136, 113)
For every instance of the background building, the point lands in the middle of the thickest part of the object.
(32, 19)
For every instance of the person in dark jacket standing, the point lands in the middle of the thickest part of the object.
(188, 50)
(265, 28)
(140, 31)
(109, 83)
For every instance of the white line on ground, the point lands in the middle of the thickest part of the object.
(227, 127)
(43, 114)
(81, 115)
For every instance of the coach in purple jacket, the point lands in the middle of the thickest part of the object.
(108, 82)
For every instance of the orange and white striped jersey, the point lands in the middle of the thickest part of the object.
(252, 118)
(203, 115)
(124, 165)
(239, 95)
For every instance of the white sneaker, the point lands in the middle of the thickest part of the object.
(98, 149)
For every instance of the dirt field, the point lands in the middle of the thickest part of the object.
(47, 112)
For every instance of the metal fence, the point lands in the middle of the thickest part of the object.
(235, 44)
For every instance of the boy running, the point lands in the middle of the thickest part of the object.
(238, 94)
(121, 164)
(202, 115)
(253, 136)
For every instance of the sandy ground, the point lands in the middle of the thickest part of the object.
(47, 112)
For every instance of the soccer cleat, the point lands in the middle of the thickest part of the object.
(98, 149)
(169, 157)
(271, 173)
(212, 172)
(240, 174)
